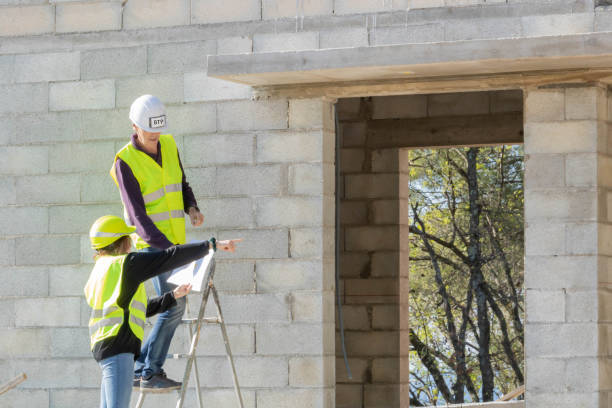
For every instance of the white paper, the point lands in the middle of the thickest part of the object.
(193, 273)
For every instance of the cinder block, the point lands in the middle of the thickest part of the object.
(354, 212)
(224, 11)
(309, 179)
(201, 180)
(352, 160)
(77, 219)
(385, 370)
(582, 239)
(545, 306)
(180, 57)
(24, 98)
(310, 114)
(235, 277)
(7, 185)
(234, 45)
(546, 171)
(85, 157)
(192, 118)
(289, 211)
(85, 17)
(82, 95)
(562, 137)
(371, 287)
(385, 160)
(557, 24)
(286, 275)
(273, 9)
(47, 127)
(371, 238)
(307, 147)
(400, 106)
(28, 281)
(218, 149)
(353, 265)
(312, 371)
(68, 280)
(345, 38)
(381, 395)
(373, 343)
(591, 369)
(349, 395)
(259, 115)
(561, 272)
(24, 398)
(115, 62)
(106, 124)
(64, 398)
(312, 242)
(385, 317)
(157, 13)
(61, 66)
(387, 211)
(385, 264)
(506, 101)
(264, 243)
(48, 189)
(43, 373)
(483, 28)
(23, 220)
(7, 68)
(70, 342)
(62, 311)
(24, 160)
(411, 34)
(582, 306)
(354, 317)
(295, 338)
(241, 338)
(585, 103)
(353, 133)
(254, 308)
(7, 252)
(167, 87)
(561, 340)
(371, 186)
(250, 180)
(283, 42)
(98, 188)
(227, 212)
(313, 306)
(45, 251)
(581, 170)
(544, 105)
(544, 238)
(30, 20)
(200, 87)
(468, 103)
(252, 372)
(561, 205)
(365, 6)
(548, 374)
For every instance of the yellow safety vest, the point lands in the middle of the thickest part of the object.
(161, 188)
(102, 291)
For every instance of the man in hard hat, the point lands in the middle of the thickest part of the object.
(156, 196)
(116, 294)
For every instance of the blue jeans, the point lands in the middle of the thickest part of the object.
(155, 348)
(116, 388)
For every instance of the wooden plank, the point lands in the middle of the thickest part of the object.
(13, 383)
(513, 394)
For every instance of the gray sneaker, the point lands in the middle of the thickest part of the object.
(159, 383)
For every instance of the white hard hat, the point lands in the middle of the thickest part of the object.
(149, 113)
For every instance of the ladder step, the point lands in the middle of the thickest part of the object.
(177, 356)
(211, 320)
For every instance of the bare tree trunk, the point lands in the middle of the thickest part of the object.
(475, 262)
(430, 362)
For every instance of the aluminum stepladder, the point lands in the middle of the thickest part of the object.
(195, 336)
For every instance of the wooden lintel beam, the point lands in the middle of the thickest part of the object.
(432, 85)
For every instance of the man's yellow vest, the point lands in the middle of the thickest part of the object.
(161, 188)
(102, 291)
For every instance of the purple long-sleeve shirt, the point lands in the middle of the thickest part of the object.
(131, 196)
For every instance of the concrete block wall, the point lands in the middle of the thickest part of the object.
(65, 114)
(567, 283)
(375, 135)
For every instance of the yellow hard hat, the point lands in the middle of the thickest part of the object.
(107, 230)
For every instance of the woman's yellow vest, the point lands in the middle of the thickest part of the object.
(161, 188)
(102, 291)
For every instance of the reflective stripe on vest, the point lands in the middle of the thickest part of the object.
(102, 291)
(161, 188)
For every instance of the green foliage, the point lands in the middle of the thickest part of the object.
(439, 197)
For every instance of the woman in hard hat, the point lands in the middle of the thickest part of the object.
(116, 294)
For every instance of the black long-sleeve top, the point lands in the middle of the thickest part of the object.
(138, 267)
